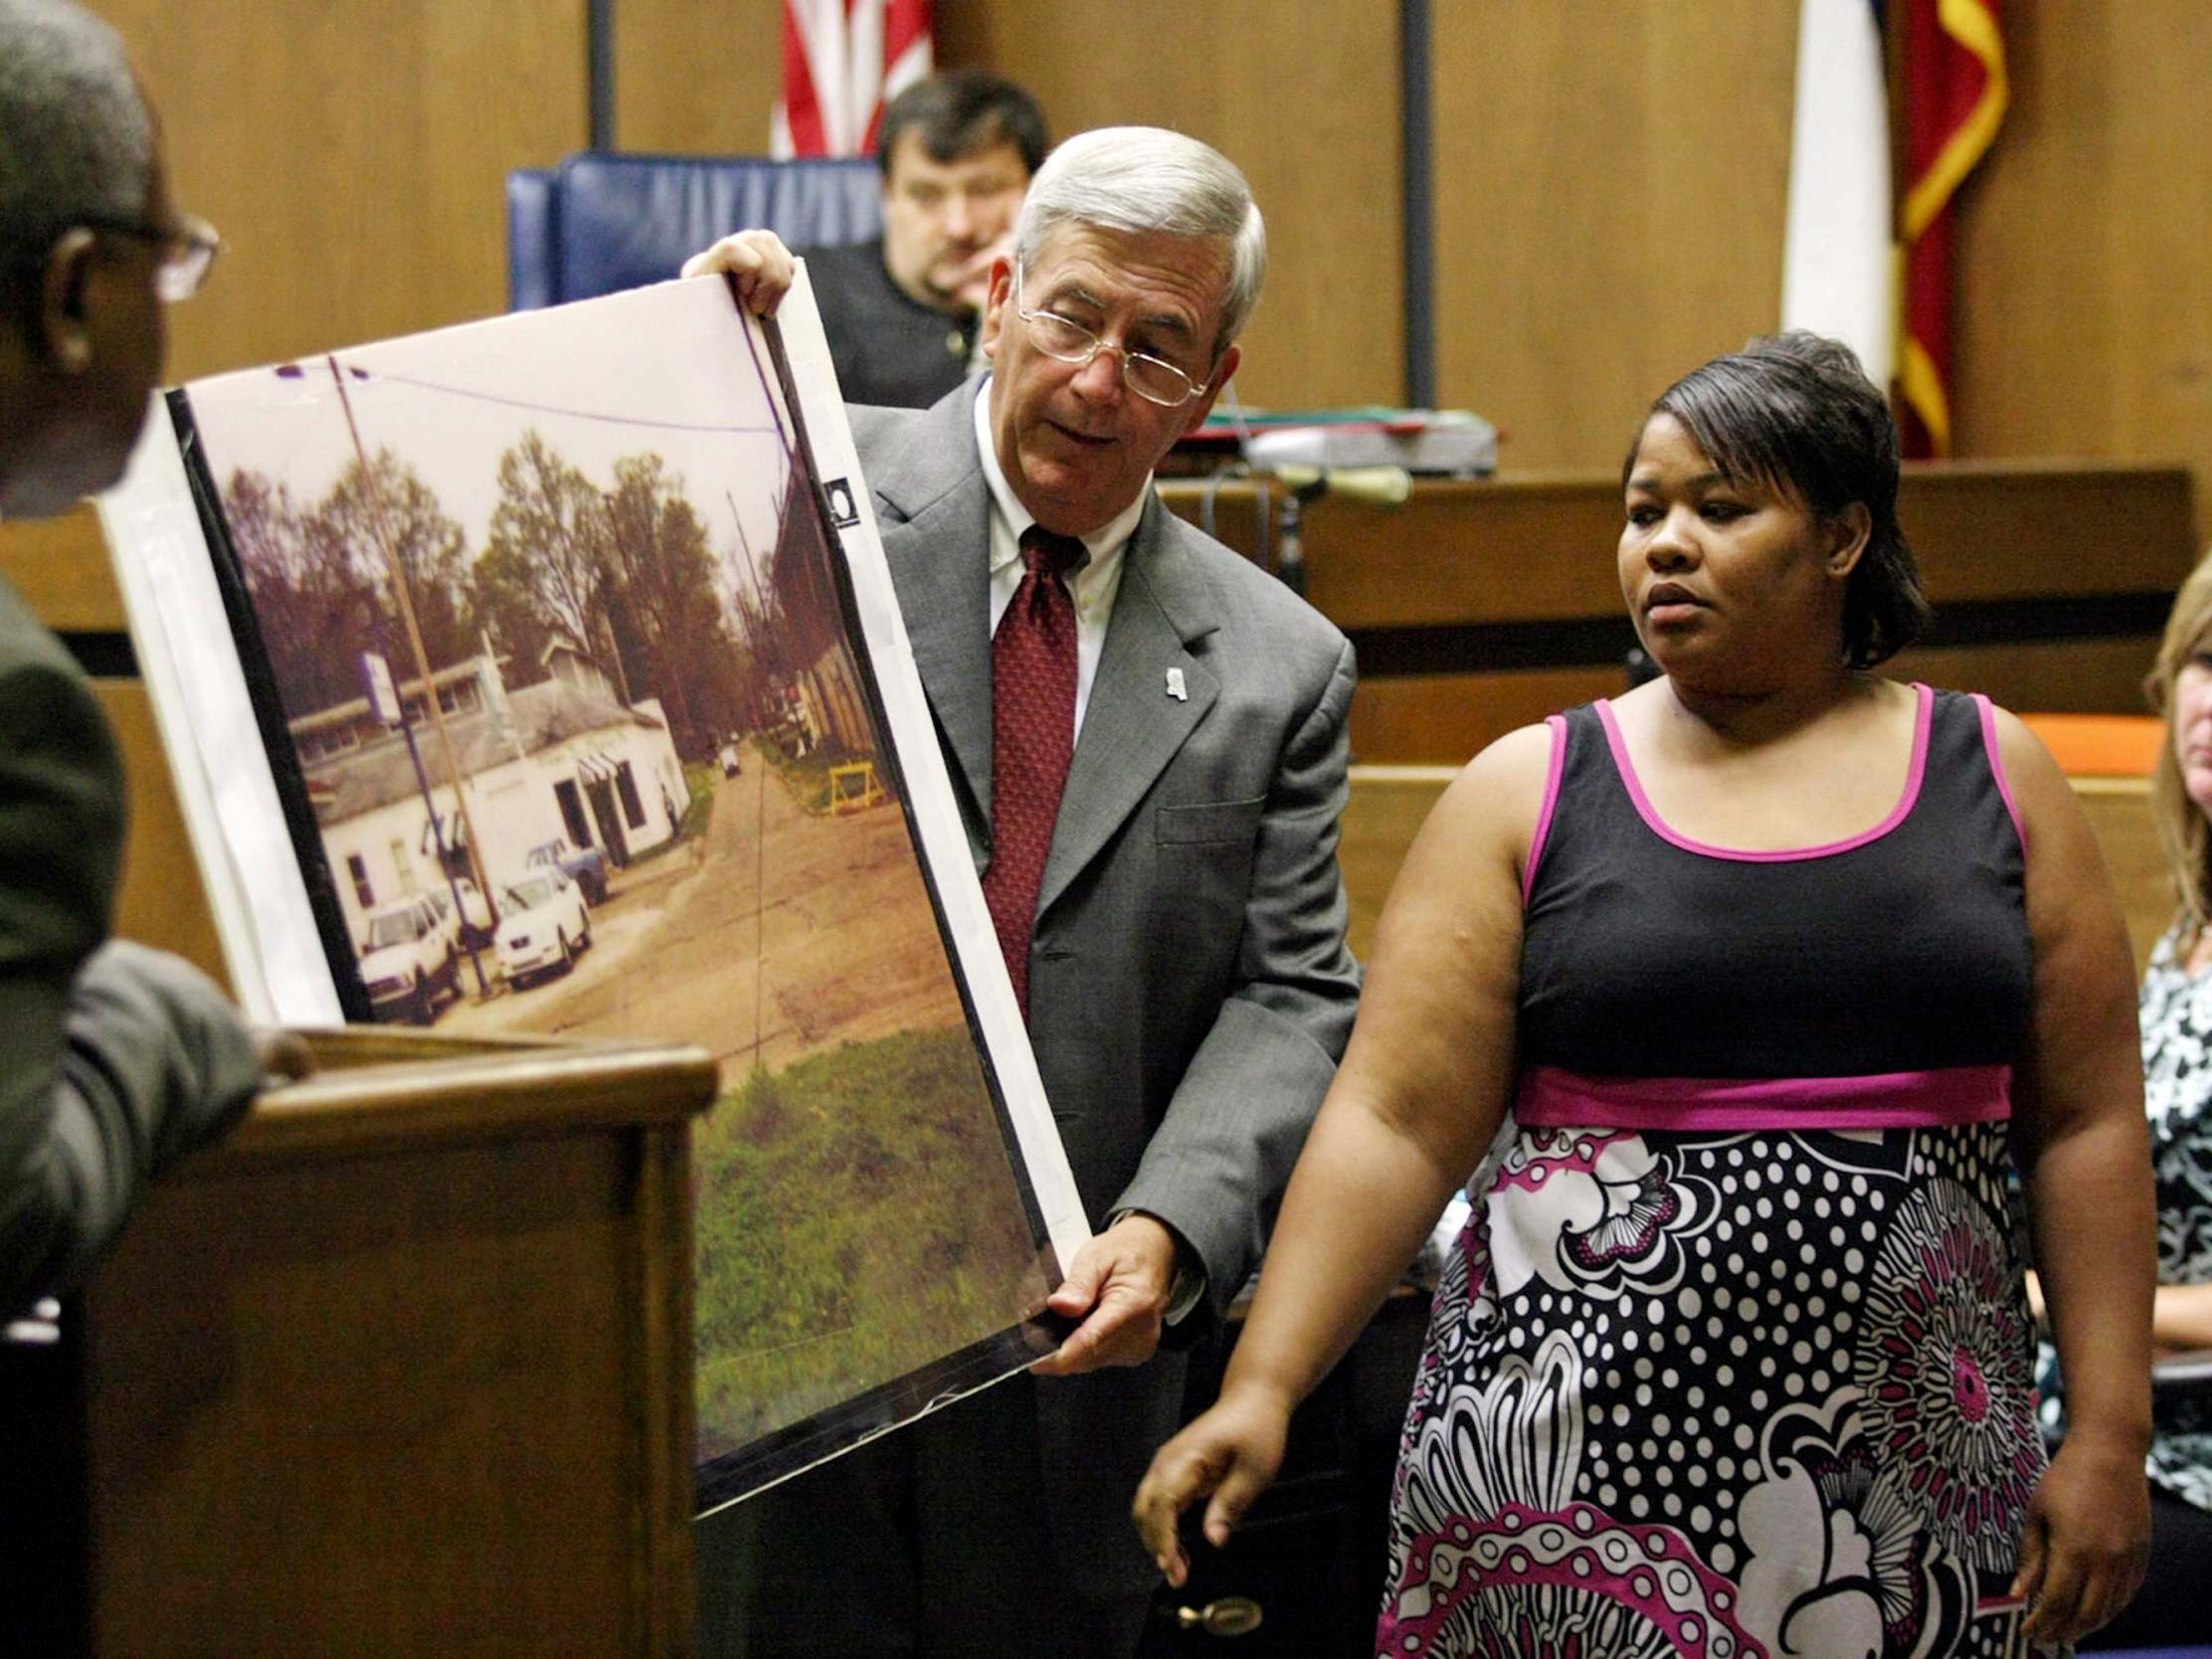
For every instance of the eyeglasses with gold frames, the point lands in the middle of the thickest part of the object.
(1154, 379)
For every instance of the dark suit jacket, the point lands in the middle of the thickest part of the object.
(1190, 988)
(114, 1060)
(887, 349)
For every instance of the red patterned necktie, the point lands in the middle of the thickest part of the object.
(1032, 739)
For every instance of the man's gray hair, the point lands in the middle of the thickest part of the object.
(75, 135)
(1145, 179)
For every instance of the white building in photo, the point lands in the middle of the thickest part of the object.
(564, 759)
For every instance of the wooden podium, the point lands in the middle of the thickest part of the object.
(404, 1367)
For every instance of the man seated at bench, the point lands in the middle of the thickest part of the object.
(901, 312)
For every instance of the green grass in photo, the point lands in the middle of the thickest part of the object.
(856, 1219)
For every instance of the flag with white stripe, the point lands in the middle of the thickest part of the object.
(1838, 257)
(843, 60)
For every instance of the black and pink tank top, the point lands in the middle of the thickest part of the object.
(1874, 981)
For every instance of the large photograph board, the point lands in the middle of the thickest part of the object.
(544, 676)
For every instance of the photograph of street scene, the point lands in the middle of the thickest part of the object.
(554, 626)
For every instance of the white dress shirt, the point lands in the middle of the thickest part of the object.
(1092, 588)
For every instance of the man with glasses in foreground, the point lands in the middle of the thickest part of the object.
(114, 1060)
(1146, 733)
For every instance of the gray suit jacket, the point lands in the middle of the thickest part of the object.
(1190, 986)
(114, 1060)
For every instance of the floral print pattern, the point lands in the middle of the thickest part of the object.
(1720, 1394)
(1881, 1583)
(1943, 1297)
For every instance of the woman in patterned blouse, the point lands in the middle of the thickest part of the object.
(2176, 1019)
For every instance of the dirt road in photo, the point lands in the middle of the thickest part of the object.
(851, 950)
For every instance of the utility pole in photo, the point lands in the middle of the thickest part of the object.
(405, 598)
(386, 703)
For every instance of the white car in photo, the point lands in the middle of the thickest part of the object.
(475, 926)
(409, 959)
(543, 923)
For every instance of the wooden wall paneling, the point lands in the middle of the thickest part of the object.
(1303, 94)
(2034, 279)
(354, 156)
(1527, 548)
(1447, 719)
(1524, 549)
(1481, 605)
(2161, 228)
(2030, 529)
(696, 77)
(2118, 811)
(1383, 812)
(2060, 676)
(162, 901)
(2083, 315)
(62, 569)
(1612, 177)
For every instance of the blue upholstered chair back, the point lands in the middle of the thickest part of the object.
(604, 221)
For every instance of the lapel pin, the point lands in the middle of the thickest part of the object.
(1176, 687)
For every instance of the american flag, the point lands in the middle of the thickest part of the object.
(843, 60)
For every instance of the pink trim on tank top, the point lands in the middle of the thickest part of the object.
(1551, 1097)
(1557, 770)
(1996, 763)
(1923, 719)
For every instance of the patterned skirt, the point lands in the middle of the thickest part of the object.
(1714, 1395)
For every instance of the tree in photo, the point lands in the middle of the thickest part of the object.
(312, 595)
(665, 580)
(549, 556)
(387, 502)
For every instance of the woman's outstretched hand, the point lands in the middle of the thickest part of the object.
(1230, 1453)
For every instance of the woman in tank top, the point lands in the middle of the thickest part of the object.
(1744, 991)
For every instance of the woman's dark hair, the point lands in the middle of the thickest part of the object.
(1797, 412)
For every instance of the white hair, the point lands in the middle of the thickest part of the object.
(75, 135)
(1142, 180)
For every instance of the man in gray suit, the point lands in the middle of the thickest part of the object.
(1175, 923)
(114, 1060)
